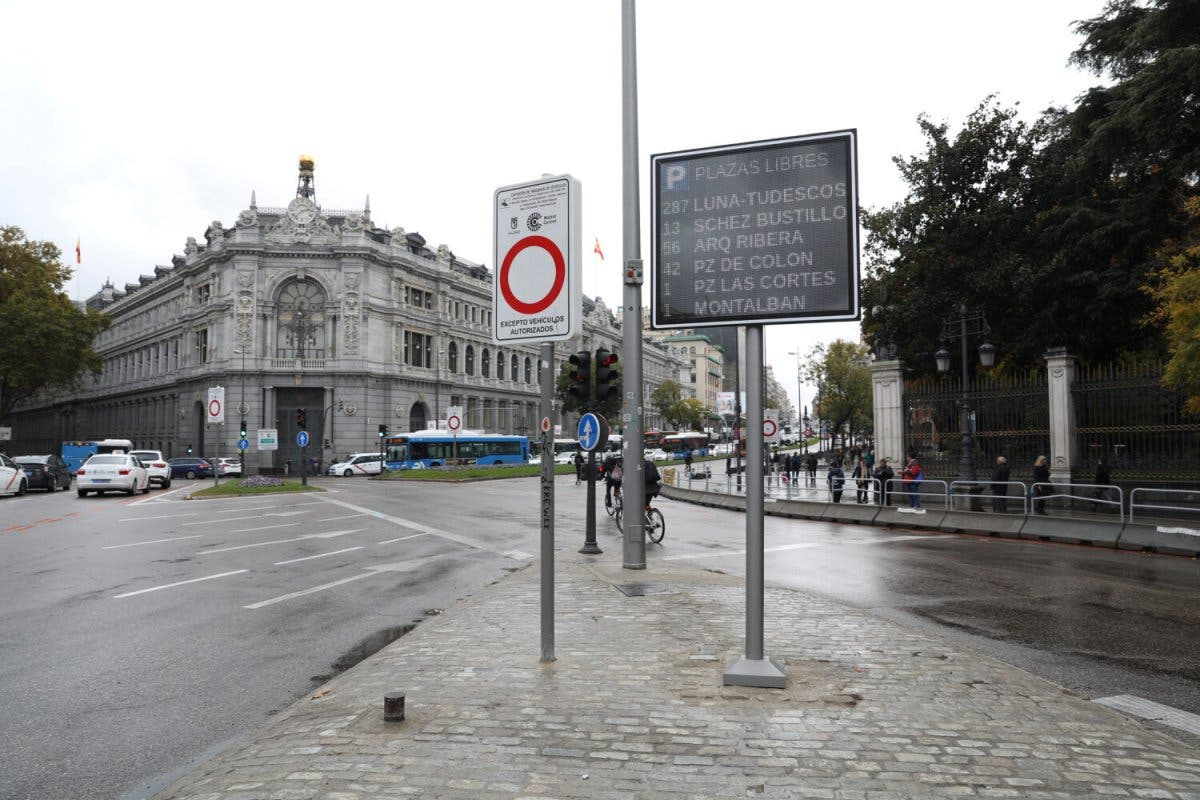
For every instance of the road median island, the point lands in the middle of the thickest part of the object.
(255, 485)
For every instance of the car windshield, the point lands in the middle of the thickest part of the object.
(107, 460)
(32, 459)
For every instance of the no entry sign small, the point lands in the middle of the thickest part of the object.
(537, 294)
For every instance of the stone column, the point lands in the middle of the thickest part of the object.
(887, 385)
(1060, 369)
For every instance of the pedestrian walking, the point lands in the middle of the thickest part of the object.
(883, 473)
(1041, 475)
(578, 466)
(869, 457)
(862, 481)
(912, 482)
(836, 479)
(1000, 486)
(687, 462)
(811, 463)
(1102, 480)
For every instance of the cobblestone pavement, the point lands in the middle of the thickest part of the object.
(634, 708)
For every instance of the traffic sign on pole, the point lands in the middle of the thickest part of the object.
(216, 404)
(268, 438)
(592, 432)
(302, 439)
(243, 444)
(771, 431)
(454, 419)
(537, 295)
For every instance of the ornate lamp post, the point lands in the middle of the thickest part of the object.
(963, 328)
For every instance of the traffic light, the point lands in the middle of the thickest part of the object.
(382, 431)
(242, 430)
(604, 373)
(581, 378)
(189, 449)
(301, 421)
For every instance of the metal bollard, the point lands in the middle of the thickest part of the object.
(393, 707)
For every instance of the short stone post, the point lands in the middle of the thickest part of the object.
(887, 384)
(1060, 373)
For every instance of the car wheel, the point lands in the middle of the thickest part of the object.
(167, 484)
(147, 489)
(51, 485)
(82, 492)
(348, 474)
(21, 489)
(191, 474)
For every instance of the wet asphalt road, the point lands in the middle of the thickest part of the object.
(115, 695)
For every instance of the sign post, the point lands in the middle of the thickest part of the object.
(538, 297)
(454, 419)
(592, 435)
(753, 234)
(215, 413)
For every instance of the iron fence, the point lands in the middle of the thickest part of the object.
(1125, 414)
(1011, 418)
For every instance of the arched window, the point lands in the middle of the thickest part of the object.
(513, 368)
(500, 364)
(528, 370)
(453, 353)
(470, 360)
(300, 321)
(485, 363)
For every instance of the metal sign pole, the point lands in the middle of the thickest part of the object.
(547, 543)
(633, 488)
(753, 669)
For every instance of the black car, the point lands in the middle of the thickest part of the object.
(187, 467)
(45, 472)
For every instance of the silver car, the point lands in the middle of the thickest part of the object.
(112, 473)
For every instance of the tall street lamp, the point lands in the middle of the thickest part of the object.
(799, 399)
(963, 328)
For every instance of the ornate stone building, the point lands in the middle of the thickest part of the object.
(304, 307)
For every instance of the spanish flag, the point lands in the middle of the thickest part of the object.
(597, 250)
(78, 252)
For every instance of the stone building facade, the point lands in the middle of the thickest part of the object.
(303, 307)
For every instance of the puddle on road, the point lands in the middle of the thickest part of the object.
(364, 649)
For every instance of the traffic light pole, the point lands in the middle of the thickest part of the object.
(589, 539)
(632, 487)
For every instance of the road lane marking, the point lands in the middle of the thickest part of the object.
(319, 555)
(303, 592)
(1148, 709)
(161, 516)
(266, 527)
(798, 546)
(180, 583)
(404, 538)
(329, 535)
(156, 497)
(151, 541)
(348, 516)
(252, 516)
(240, 510)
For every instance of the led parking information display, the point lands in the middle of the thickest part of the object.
(756, 233)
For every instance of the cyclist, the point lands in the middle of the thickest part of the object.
(653, 479)
(613, 472)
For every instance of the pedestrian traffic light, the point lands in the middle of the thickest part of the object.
(604, 373)
(242, 430)
(189, 449)
(580, 385)
(382, 431)
(301, 421)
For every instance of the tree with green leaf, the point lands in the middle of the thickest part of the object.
(45, 339)
(680, 412)
(843, 383)
(1175, 288)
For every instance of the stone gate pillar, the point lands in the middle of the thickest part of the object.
(1060, 374)
(887, 384)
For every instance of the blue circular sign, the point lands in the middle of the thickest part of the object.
(302, 438)
(593, 431)
(243, 444)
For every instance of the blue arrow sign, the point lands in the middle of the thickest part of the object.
(302, 438)
(243, 444)
(589, 431)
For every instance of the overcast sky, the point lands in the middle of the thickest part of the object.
(134, 125)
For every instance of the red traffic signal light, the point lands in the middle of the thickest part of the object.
(581, 377)
(604, 373)
(301, 420)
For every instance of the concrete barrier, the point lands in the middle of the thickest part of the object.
(1008, 525)
(1071, 531)
(798, 509)
(893, 517)
(1166, 538)
(861, 513)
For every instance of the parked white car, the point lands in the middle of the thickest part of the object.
(12, 477)
(156, 466)
(112, 473)
(357, 464)
(229, 466)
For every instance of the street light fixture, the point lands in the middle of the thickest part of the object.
(799, 399)
(962, 329)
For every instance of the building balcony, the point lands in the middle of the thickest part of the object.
(298, 363)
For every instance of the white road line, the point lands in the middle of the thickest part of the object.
(151, 541)
(467, 541)
(330, 535)
(303, 592)
(180, 583)
(162, 516)
(252, 516)
(156, 497)
(240, 510)
(403, 538)
(348, 516)
(266, 527)
(1148, 709)
(319, 555)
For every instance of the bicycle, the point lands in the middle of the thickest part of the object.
(612, 500)
(656, 524)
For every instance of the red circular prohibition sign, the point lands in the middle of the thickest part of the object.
(214, 407)
(560, 275)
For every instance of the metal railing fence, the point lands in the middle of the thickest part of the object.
(999, 502)
(1192, 495)
(1035, 497)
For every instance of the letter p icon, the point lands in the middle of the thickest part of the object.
(675, 177)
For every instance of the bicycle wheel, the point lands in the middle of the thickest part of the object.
(656, 526)
(608, 505)
(617, 516)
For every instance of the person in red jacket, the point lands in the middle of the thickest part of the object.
(912, 482)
